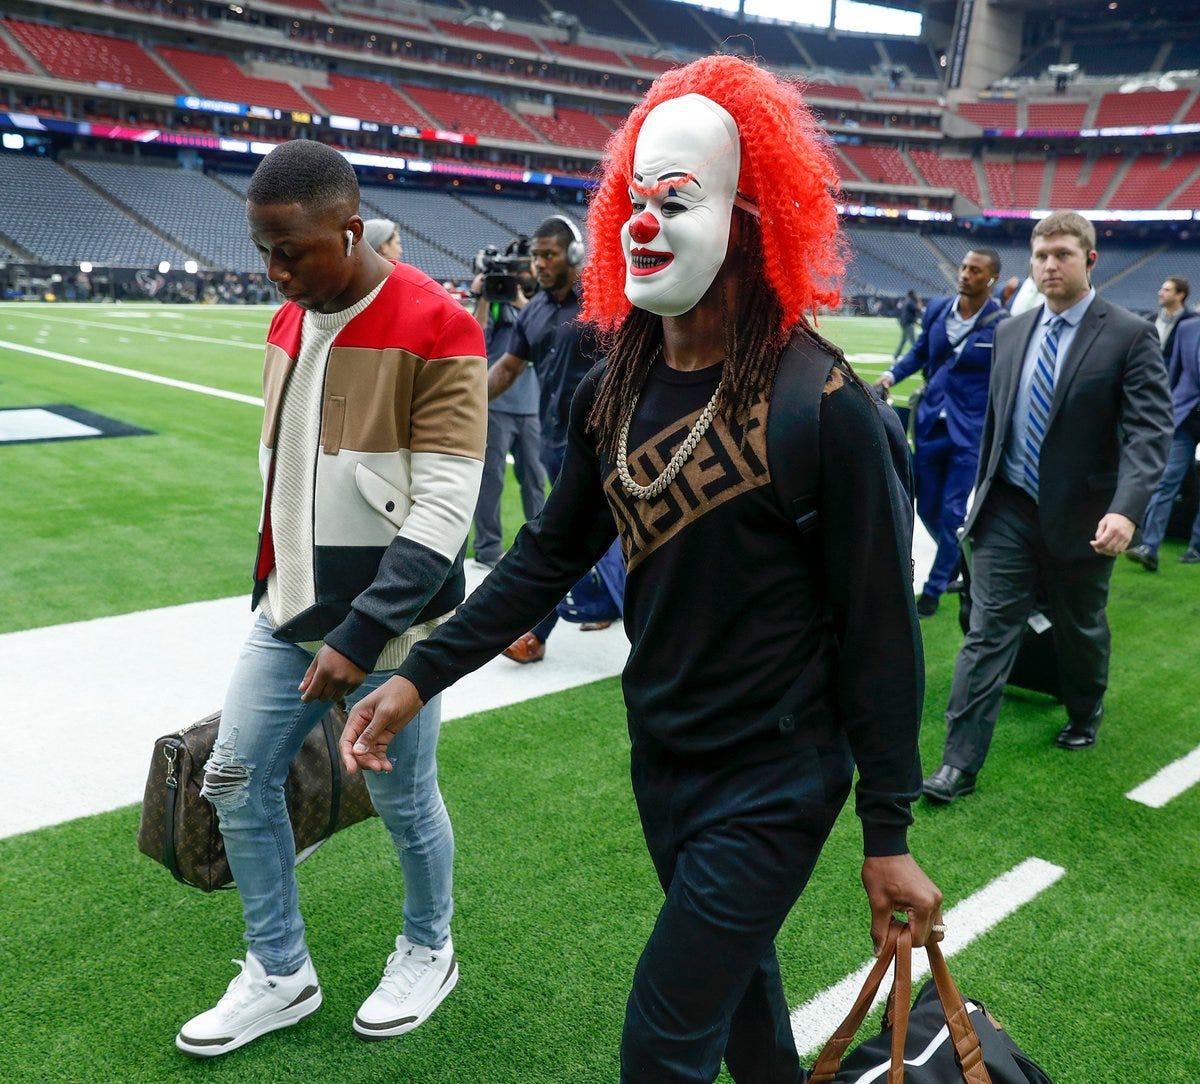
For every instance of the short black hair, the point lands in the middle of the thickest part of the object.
(989, 254)
(1182, 286)
(305, 172)
(558, 229)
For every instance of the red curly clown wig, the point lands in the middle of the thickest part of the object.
(786, 169)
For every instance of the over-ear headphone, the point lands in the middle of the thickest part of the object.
(575, 248)
(349, 241)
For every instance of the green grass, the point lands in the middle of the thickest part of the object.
(102, 955)
(99, 527)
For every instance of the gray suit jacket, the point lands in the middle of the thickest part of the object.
(1109, 427)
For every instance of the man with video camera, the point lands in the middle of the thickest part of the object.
(502, 287)
(549, 338)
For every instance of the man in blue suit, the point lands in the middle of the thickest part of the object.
(1183, 375)
(954, 353)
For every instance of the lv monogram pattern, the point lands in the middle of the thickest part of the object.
(727, 462)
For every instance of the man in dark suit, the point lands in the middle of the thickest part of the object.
(1078, 423)
(954, 353)
(1183, 375)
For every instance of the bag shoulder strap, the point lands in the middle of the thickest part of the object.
(170, 801)
(335, 759)
(794, 429)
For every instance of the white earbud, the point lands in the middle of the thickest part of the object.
(349, 241)
(991, 281)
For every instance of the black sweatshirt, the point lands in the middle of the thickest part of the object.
(743, 632)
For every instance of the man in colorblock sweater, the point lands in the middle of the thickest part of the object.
(371, 454)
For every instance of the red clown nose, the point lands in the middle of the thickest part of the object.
(644, 228)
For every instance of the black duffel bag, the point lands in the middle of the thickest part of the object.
(941, 1039)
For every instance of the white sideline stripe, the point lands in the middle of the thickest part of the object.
(137, 374)
(134, 677)
(1170, 782)
(816, 1020)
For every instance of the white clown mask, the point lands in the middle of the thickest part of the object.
(685, 174)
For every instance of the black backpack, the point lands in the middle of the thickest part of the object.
(794, 437)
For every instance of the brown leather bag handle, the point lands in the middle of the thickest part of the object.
(830, 1059)
(897, 950)
(901, 1002)
(962, 1031)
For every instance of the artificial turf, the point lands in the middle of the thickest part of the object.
(102, 955)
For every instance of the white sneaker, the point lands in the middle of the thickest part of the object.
(254, 1004)
(415, 981)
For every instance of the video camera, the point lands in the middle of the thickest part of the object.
(502, 271)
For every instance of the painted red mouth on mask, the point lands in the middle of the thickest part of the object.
(645, 261)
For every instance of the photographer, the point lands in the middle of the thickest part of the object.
(549, 338)
(501, 289)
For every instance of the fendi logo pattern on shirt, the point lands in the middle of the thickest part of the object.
(728, 461)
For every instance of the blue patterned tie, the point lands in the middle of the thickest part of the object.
(1041, 395)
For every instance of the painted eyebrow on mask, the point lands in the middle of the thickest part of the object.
(663, 182)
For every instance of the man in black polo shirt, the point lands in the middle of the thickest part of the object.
(561, 350)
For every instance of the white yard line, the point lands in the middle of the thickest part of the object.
(1170, 782)
(130, 329)
(136, 374)
(816, 1020)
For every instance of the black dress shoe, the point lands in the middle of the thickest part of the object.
(1081, 735)
(948, 783)
(1144, 556)
(954, 587)
(927, 605)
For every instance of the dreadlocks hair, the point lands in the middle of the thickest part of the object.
(305, 172)
(752, 339)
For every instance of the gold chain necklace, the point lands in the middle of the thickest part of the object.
(647, 493)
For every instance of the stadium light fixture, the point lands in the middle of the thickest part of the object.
(191, 267)
(85, 267)
(164, 267)
(493, 20)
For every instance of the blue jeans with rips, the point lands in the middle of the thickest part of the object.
(263, 724)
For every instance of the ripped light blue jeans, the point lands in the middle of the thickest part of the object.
(263, 724)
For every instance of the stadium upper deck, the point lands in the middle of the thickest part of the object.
(525, 92)
(522, 85)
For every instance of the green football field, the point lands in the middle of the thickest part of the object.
(1091, 966)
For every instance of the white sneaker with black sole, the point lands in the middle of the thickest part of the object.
(254, 1004)
(416, 980)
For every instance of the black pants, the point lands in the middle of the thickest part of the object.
(734, 846)
(1009, 560)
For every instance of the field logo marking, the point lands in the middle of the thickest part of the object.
(135, 373)
(1170, 782)
(816, 1020)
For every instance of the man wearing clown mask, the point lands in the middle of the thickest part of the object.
(763, 669)
(684, 183)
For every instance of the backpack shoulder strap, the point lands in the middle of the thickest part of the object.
(794, 439)
(993, 317)
(793, 429)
